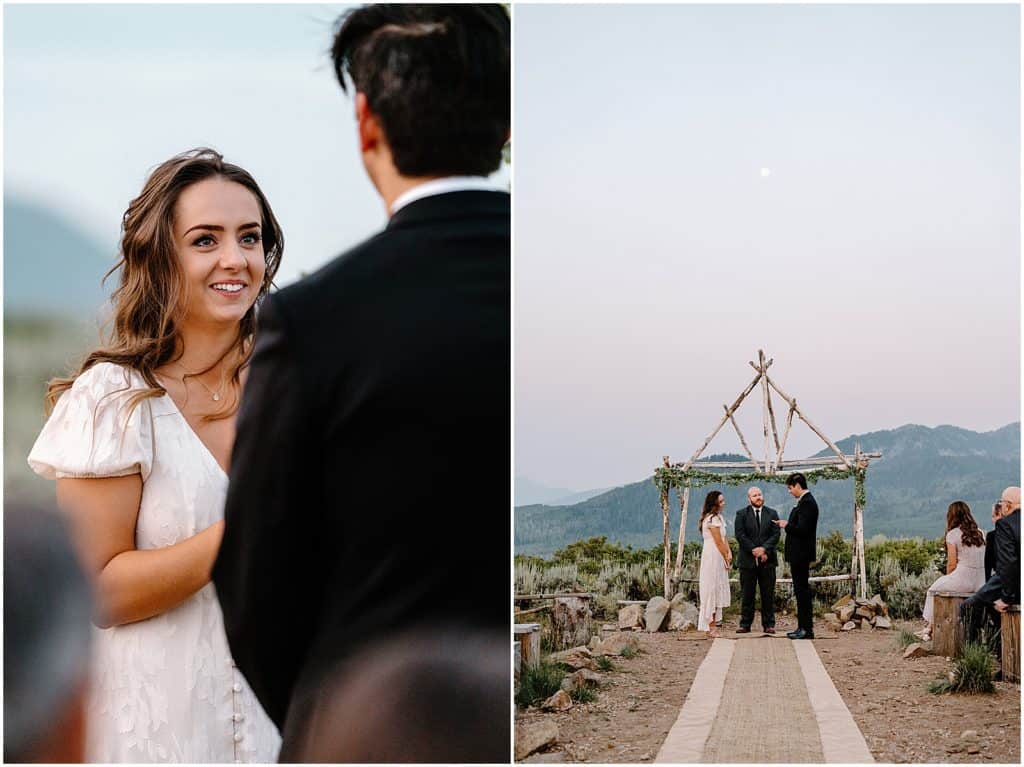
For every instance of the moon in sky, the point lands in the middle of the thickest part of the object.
(766, 172)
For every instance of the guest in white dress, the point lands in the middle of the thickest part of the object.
(139, 442)
(715, 563)
(965, 551)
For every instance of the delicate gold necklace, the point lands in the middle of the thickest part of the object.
(214, 394)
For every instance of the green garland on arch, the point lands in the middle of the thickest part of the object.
(667, 478)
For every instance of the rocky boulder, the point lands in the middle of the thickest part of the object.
(582, 678)
(656, 613)
(916, 650)
(615, 644)
(577, 657)
(631, 616)
(560, 701)
(534, 736)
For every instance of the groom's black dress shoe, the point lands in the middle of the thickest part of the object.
(800, 634)
(743, 630)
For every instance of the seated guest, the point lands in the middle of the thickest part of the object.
(433, 695)
(965, 550)
(1003, 588)
(47, 616)
(990, 542)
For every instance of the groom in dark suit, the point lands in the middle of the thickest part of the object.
(758, 538)
(801, 549)
(374, 428)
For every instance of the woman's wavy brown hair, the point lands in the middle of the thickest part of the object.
(149, 300)
(710, 505)
(959, 515)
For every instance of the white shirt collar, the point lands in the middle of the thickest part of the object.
(443, 186)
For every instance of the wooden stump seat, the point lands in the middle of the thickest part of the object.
(1011, 643)
(948, 631)
(570, 620)
(528, 637)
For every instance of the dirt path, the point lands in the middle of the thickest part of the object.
(887, 696)
(634, 709)
(903, 722)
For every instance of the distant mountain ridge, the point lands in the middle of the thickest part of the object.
(528, 492)
(51, 267)
(922, 471)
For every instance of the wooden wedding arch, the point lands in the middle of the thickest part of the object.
(684, 475)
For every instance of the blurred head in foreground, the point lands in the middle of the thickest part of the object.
(47, 616)
(442, 699)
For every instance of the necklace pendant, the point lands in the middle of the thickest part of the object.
(216, 397)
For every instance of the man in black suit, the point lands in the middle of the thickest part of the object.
(990, 540)
(374, 428)
(758, 537)
(1003, 588)
(801, 549)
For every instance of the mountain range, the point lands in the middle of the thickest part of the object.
(51, 266)
(922, 470)
(529, 492)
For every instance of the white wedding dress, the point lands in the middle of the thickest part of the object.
(163, 689)
(714, 578)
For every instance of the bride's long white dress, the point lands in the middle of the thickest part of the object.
(714, 578)
(163, 689)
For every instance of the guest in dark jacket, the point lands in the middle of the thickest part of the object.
(990, 540)
(1003, 588)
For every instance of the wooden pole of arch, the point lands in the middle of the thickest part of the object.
(736, 426)
(668, 548)
(684, 501)
(858, 528)
(728, 412)
(815, 429)
(764, 411)
(775, 430)
(785, 434)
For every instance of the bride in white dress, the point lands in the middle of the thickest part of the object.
(139, 442)
(965, 560)
(715, 563)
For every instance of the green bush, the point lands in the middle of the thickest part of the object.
(538, 683)
(901, 570)
(915, 555)
(905, 638)
(906, 595)
(971, 672)
(834, 555)
(629, 652)
(582, 694)
(604, 663)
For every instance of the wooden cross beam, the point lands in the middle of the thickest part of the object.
(728, 414)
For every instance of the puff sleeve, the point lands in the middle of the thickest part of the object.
(92, 431)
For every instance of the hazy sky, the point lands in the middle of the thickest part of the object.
(838, 185)
(97, 95)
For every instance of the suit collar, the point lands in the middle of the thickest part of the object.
(452, 205)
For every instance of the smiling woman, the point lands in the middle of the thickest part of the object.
(139, 442)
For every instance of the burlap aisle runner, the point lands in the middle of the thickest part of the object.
(764, 701)
(765, 714)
